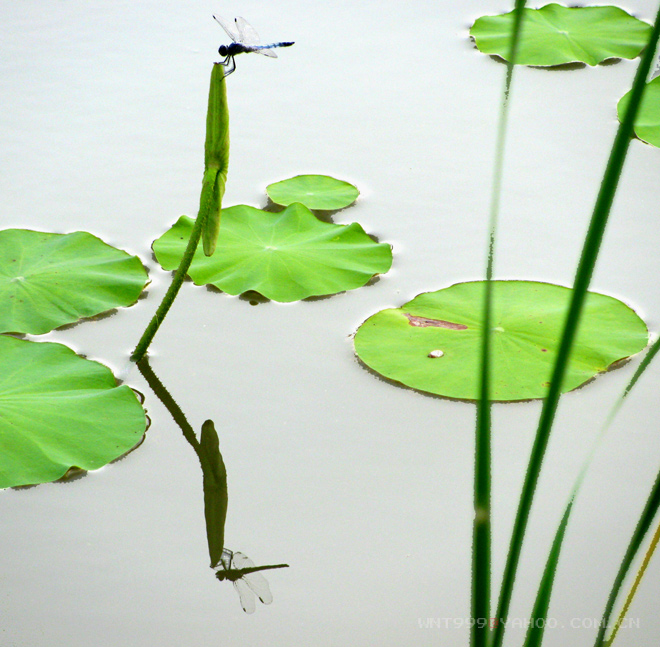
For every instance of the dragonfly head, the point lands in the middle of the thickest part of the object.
(223, 50)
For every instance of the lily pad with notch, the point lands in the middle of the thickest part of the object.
(58, 411)
(556, 35)
(647, 122)
(284, 256)
(48, 280)
(433, 342)
(319, 192)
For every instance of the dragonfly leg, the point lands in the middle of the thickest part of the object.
(229, 60)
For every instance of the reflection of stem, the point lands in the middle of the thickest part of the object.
(164, 396)
(215, 492)
(210, 458)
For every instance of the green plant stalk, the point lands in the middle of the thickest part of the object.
(535, 634)
(481, 529)
(179, 275)
(655, 347)
(648, 358)
(646, 519)
(216, 159)
(633, 590)
(582, 279)
(539, 613)
(216, 153)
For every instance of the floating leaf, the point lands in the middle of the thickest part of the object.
(319, 192)
(48, 280)
(284, 256)
(57, 411)
(403, 343)
(555, 35)
(647, 123)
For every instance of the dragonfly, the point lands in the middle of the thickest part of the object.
(245, 39)
(248, 582)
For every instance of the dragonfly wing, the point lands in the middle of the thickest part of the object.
(225, 25)
(240, 561)
(226, 559)
(260, 49)
(224, 564)
(258, 583)
(246, 32)
(267, 52)
(245, 595)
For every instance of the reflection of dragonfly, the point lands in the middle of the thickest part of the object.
(240, 570)
(245, 39)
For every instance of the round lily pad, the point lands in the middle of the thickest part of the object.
(57, 411)
(284, 256)
(49, 280)
(319, 192)
(433, 342)
(556, 35)
(647, 122)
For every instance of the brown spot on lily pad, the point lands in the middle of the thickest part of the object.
(424, 322)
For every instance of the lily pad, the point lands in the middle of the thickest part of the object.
(556, 35)
(49, 280)
(647, 123)
(284, 256)
(57, 411)
(319, 192)
(433, 342)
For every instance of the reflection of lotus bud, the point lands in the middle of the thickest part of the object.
(216, 158)
(215, 491)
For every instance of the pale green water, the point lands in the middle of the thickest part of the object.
(363, 488)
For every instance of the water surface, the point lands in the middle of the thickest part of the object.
(362, 487)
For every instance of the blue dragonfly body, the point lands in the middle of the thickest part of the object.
(244, 39)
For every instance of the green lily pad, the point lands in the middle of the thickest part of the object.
(647, 123)
(49, 280)
(57, 411)
(319, 192)
(433, 342)
(284, 256)
(556, 35)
